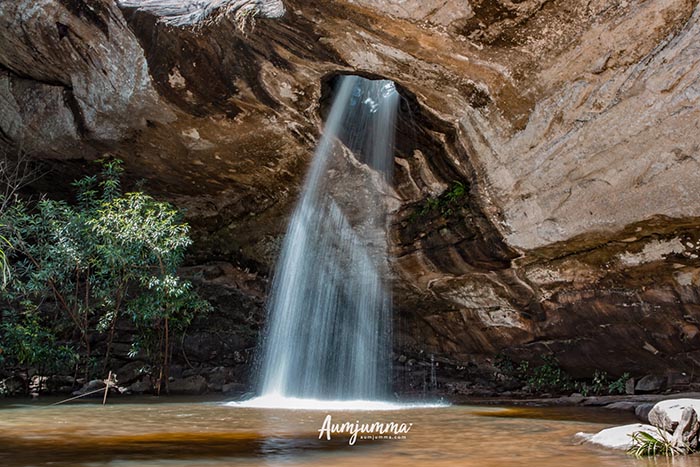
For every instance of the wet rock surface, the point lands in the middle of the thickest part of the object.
(618, 437)
(668, 414)
(192, 385)
(571, 128)
(672, 422)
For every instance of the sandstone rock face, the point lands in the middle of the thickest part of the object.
(570, 126)
(72, 71)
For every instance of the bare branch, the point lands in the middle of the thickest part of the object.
(16, 173)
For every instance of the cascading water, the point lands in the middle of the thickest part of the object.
(328, 334)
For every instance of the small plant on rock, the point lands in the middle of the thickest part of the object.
(446, 203)
(645, 444)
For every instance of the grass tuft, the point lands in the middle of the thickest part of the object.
(645, 444)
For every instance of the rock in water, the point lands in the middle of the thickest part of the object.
(642, 411)
(629, 406)
(130, 372)
(191, 386)
(677, 417)
(686, 434)
(141, 386)
(618, 437)
(667, 414)
(91, 386)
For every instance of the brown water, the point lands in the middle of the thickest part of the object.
(210, 434)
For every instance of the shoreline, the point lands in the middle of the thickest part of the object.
(612, 402)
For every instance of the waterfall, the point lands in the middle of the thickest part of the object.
(328, 328)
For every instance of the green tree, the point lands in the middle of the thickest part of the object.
(110, 256)
(144, 243)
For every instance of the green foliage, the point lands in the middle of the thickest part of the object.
(505, 365)
(645, 444)
(25, 342)
(619, 385)
(457, 190)
(445, 204)
(602, 384)
(549, 376)
(112, 255)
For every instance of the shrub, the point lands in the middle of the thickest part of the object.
(112, 255)
(549, 376)
(25, 342)
(619, 386)
(646, 444)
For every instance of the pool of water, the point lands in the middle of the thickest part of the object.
(152, 433)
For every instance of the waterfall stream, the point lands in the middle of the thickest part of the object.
(328, 330)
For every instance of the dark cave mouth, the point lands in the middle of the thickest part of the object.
(406, 125)
(419, 132)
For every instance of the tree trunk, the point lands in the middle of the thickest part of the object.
(166, 357)
(112, 326)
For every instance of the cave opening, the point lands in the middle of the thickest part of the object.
(419, 135)
(440, 221)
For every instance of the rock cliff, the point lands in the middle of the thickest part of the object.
(546, 172)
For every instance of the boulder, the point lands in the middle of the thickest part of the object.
(650, 383)
(130, 372)
(628, 406)
(685, 435)
(141, 386)
(11, 386)
(219, 376)
(92, 386)
(678, 380)
(233, 388)
(667, 414)
(618, 437)
(60, 381)
(176, 371)
(187, 372)
(575, 398)
(38, 384)
(192, 385)
(642, 411)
